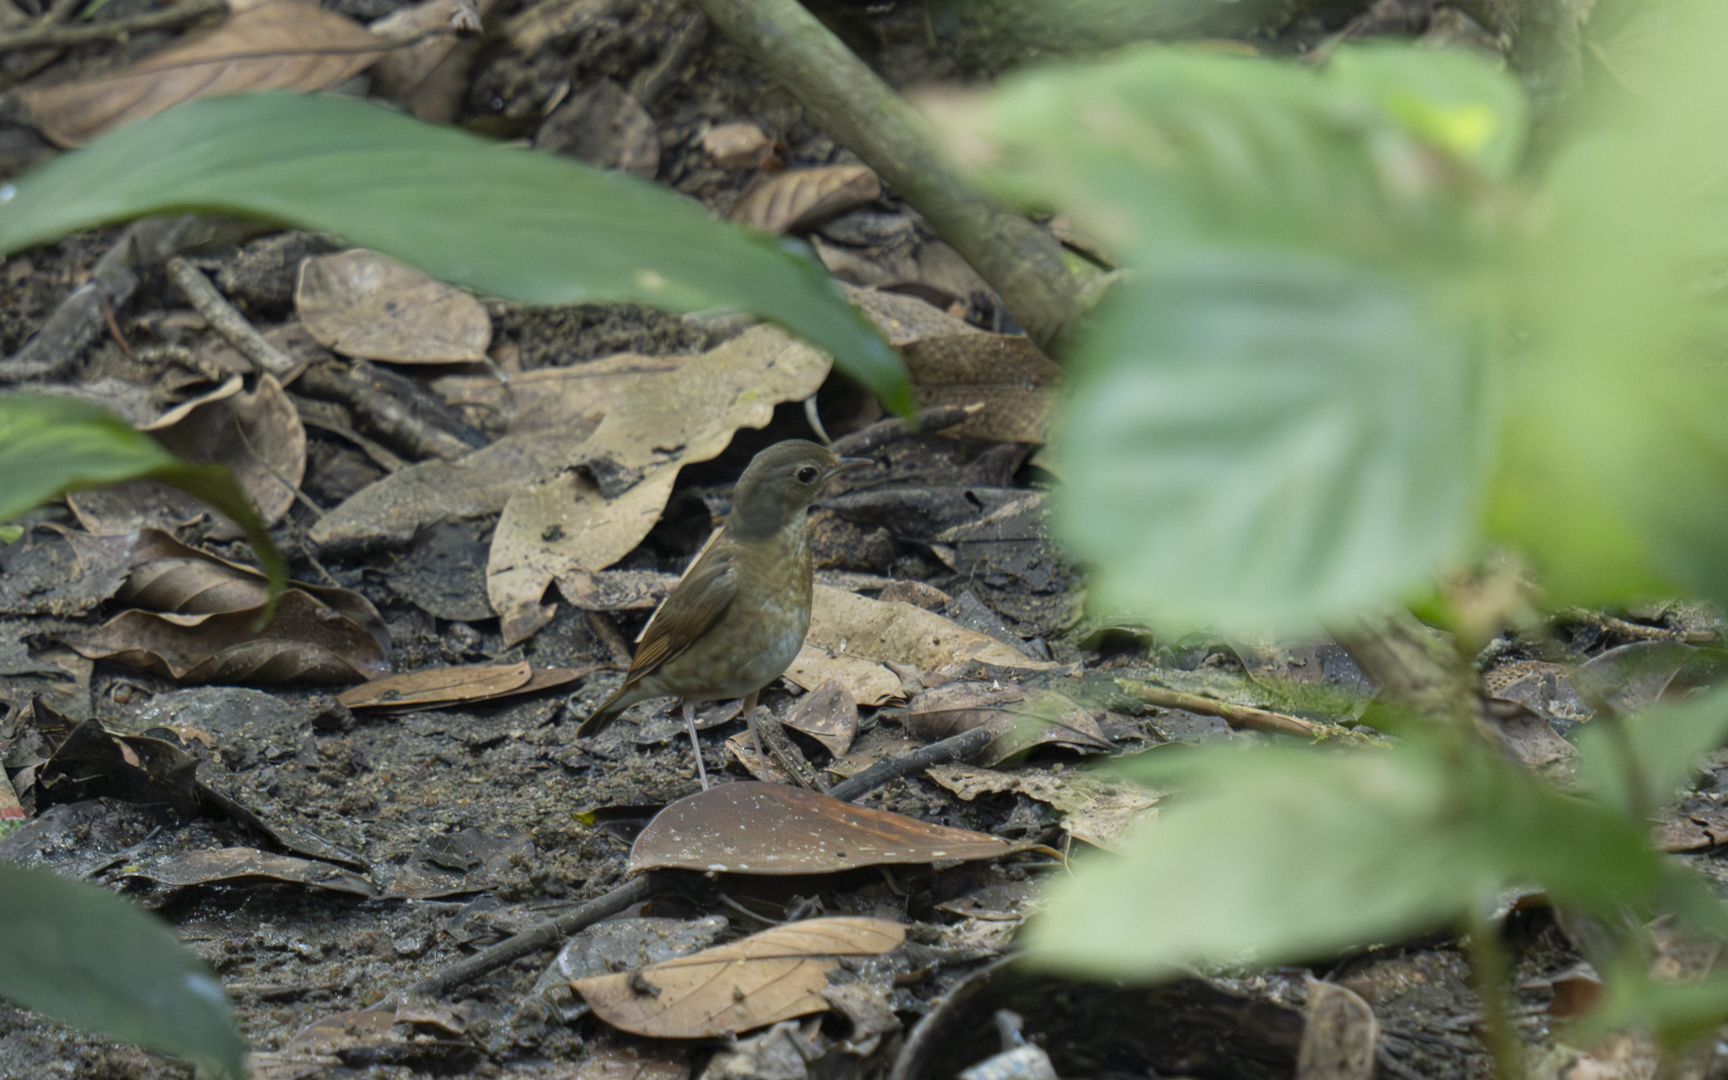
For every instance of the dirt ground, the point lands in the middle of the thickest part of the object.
(444, 831)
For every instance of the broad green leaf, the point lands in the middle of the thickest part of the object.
(1678, 1012)
(1447, 98)
(51, 444)
(1276, 855)
(83, 955)
(1667, 741)
(1263, 440)
(505, 221)
(1615, 473)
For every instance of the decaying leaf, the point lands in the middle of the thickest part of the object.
(604, 125)
(409, 74)
(803, 198)
(869, 682)
(1022, 717)
(827, 714)
(361, 303)
(307, 642)
(844, 622)
(1094, 808)
(257, 434)
(755, 828)
(438, 688)
(227, 864)
(1340, 1039)
(750, 983)
(275, 45)
(735, 146)
(955, 363)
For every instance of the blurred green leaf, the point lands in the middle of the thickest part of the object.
(51, 444)
(1259, 439)
(1614, 477)
(1447, 98)
(505, 221)
(1678, 1013)
(1277, 855)
(1667, 741)
(83, 955)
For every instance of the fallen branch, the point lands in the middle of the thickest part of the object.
(393, 409)
(848, 101)
(232, 325)
(1627, 629)
(638, 889)
(1243, 716)
(936, 418)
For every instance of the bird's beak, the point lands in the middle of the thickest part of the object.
(847, 464)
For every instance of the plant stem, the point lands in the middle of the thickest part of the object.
(1493, 970)
(846, 99)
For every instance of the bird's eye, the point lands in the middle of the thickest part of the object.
(807, 474)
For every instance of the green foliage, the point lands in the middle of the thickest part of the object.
(505, 221)
(80, 954)
(50, 444)
(1663, 743)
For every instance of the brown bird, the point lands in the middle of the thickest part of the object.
(737, 618)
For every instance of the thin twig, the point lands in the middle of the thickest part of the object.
(936, 418)
(1489, 963)
(1627, 629)
(954, 748)
(52, 35)
(1244, 716)
(228, 322)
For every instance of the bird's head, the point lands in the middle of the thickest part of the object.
(781, 482)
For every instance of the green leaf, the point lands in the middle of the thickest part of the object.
(83, 955)
(1448, 98)
(505, 221)
(1667, 741)
(1678, 1013)
(51, 444)
(1259, 440)
(1277, 855)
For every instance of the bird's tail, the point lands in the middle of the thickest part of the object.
(610, 709)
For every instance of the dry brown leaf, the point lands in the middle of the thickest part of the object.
(735, 146)
(436, 686)
(759, 980)
(632, 1062)
(755, 828)
(868, 682)
(227, 864)
(605, 126)
(846, 623)
(257, 434)
(1097, 809)
(1341, 1037)
(828, 715)
(401, 74)
(277, 45)
(803, 198)
(538, 679)
(955, 363)
(307, 642)
(361, 303)
(1022, 717)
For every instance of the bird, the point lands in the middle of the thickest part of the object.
(737, 618)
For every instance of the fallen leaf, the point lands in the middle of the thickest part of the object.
(277, 45)
(1341, 1035)
(605, 126)
(844, 622)
(803, 198)
(828, 715)
(1631, 678)
(1094, 808)
(759, 980)
(755, 828)
(1022, 717)
(735, 146)
(228, 864)
(350, 1030)
(401, 72)
(436, 686)
(629, 1062)
(361, 303)
(307, 642)
(867, 681)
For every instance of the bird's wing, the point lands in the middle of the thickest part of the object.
(696, 604)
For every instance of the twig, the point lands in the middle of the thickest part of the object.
(1489, 963)
(606, 629)
(393, 408)
(1244, 716)
(1628, 629)
(222, 317)
(935, 418)
(640, 888)
(652, 81)
(51, 35)
(846, 99)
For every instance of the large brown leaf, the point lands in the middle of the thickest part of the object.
(1021, 717)
(275, 45)
(361, 303)
(755, 828)
(750, 983)
(440, 688)
(307, 642)
(803, 198)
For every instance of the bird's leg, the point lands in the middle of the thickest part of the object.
(755, 739)
(695, 743)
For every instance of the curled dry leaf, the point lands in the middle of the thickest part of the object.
(828, 715)
(276, 45)
(1021, 717)
(438, 688)
(955, 363)
(803, 198)
(745, 984)
(755, 828)
(400, 73)
(844, 622)
(361, 303)
(307, 642)
(228, 864)
(869, 682)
